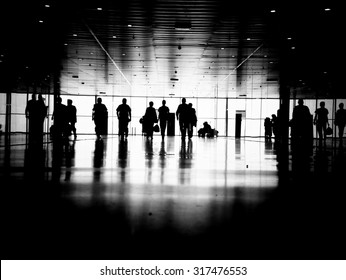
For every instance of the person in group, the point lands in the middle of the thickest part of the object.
(268, 129)
(60, 120)
(163, 118)
(150, 118)
(99, 116)
(124, 117)
(321, 121)
(192, 120)
(301, 126)
(340, 121)
(182, 116)
(71, 117)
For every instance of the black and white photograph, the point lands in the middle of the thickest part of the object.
(172, 130)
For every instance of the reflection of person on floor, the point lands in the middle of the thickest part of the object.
(340, 121)
(150, 118)
(321, 121)
(124, 117)
(99, 116)
(72, 117)
(182, 116)
(275, 126)
(163, 118)
(192, 120)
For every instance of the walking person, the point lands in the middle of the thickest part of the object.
(150, 118)
(340, 121)
(192, 120)
(124, 117)
(321, 122)
(182, 117)
(99, 116)
(163, 118)
(72, 117)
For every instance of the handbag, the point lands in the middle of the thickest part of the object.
(329, 131)
(156, 128)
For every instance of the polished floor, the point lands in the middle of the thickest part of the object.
(220, 198)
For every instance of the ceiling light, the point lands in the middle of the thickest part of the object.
(129, 25)
(99, 9)
(273, 11)
(327, 9)
(114, 36)
(47, 6)
(40, 21)
(74, 35)
(289, 38)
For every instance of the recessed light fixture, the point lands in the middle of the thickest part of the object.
(129, 25)
(123, 54)
(74, 35)
(65, 44)
(248, 39)
(327, 9)
(289, 38)
(47, 6)
(114, 36)
(40, 21)
(273, 11)
(99, 9)
(222, 48)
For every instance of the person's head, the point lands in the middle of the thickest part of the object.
(58, 100)
(124, 100)
(69, 102)
(33, 96)
(273, 116)
(341, 105)
(183, 100)
(99, 100)
(40, 97)
(322, 104)
(190, 105)
(300, 101)
(163, 102)
(151, 103)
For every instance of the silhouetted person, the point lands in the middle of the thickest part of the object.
(124, 117)
(340, 121)
(32, 113)
(182, 114)
(301, 125)
(321, 121)
(275, 126)
(267, 128)
(60, 120)
(205, 131)
(163, 118)
(192, 120)
(72, 117)
(150, 118)
(100, 115)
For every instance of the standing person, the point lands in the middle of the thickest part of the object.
(182, 116)
(99, 116)
(60, 119)
(275, 126)
(321, 121)
(124, 117)
(268, 128)
(150, 118)
(301, 126)
(42, 111)
(72, 117)
(192, 120)
(32, 114)
(163, 117)
(340, 121)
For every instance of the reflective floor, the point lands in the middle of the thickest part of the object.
(221, 198)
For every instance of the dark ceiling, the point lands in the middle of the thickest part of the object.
(170, 47)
